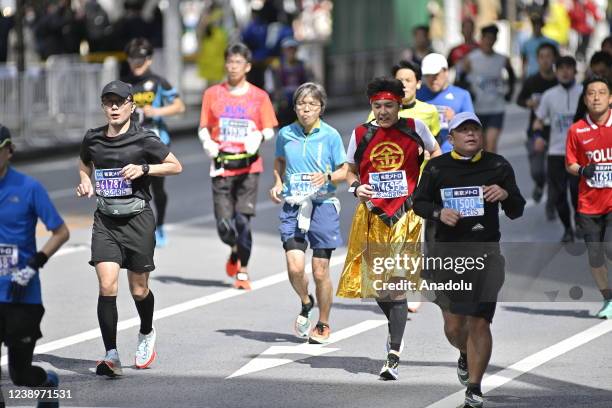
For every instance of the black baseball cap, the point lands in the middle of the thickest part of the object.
(118, 88)
(139, 48)
(5, 136)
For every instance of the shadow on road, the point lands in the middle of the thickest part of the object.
(192, 282)
(582, 314)
(266, 337)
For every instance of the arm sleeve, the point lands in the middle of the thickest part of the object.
(44, 208)
(205, 112)
(84, 153)
(424, 203)
(423, 131)
(339, 154)
(351, 149)
(571, 153)
(279, 144)
(514, 205)
(268, 117)
(156, 151)
(169, 94)
(524, 94)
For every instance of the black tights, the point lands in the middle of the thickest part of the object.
(21, 370)
(397, 314)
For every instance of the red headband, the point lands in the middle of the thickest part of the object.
(385, 95)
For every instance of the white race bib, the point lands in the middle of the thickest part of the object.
(300, 184)
(389, 184)
(9, 257)
(233, 130)
(468, 201)
(442, 115)
(602, 177)
(110, 183)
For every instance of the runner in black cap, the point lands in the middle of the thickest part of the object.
(123, 156)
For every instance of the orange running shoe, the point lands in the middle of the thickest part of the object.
(320, 334)
(231, 267)
(242, 281)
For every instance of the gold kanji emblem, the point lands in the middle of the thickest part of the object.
(387, 156)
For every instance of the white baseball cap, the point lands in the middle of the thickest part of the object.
(433, 63)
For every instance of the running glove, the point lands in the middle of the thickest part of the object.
(253, 141)
(587, 171)
(21, 277)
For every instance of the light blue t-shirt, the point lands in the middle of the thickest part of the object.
(23, 201)
(458, 99)
(320, 151)
(529, 50)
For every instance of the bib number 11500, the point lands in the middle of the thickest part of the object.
(468, 201)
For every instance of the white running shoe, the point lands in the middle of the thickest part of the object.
(302, 323)
(145, 352)
(110, 365)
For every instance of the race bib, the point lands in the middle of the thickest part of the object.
(110, 183)
(389, 184)
(233, 130)
(442, 115)
(602, 177)
(300, 184)
(490, 85)
(468, 201)
(9, 256)
(564, 121)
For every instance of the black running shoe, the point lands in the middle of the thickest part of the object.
(473, 400)
(537, 194)
(568, 236)
(390, 370)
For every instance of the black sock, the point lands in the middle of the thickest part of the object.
(107, 319)
(234, 257)
(474, 389)
(145, 311)
(396, 313)
(607, 294)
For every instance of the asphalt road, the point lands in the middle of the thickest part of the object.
(546, 353)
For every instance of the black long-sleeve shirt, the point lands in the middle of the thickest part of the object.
(445, 172)
(534, 85)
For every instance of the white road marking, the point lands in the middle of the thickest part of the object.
(173, 310)
(304, 350)
(529, 363)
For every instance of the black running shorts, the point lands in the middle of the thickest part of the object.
(128, 241)
(597, 230)
(20, 323)
(235, 194)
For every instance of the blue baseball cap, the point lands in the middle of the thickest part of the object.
(461, 118)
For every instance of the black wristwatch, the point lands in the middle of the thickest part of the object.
(145, 169)
(353, 187)
(329, 176)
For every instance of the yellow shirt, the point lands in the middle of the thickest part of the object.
(420, 110)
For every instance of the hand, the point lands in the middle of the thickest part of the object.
(449, 216)
(539, 144)
(85, 189)
(587, 171)
(275, 193)
(149, 111)
(494, 193)
(449, 113)
(317, 179)
(19, 281)
(211, 148)
(532, 103)
(364, 192)
(253, 141)
(132, 171)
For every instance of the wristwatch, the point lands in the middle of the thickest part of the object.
(328, 175)
(353, 187)
(145, 169)
(436, 214)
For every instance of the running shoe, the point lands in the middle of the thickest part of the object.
(242, 281)
(390, 370)
(51, 382)
(537, 194)
(110, 366)
(388, 345)
(568, 236)
(302, 321)
(606, 311)
(473, 400)
(462, 370)
(232, 266)
(320, 334)
(145, 351)
(160, 237)
(551, 212)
